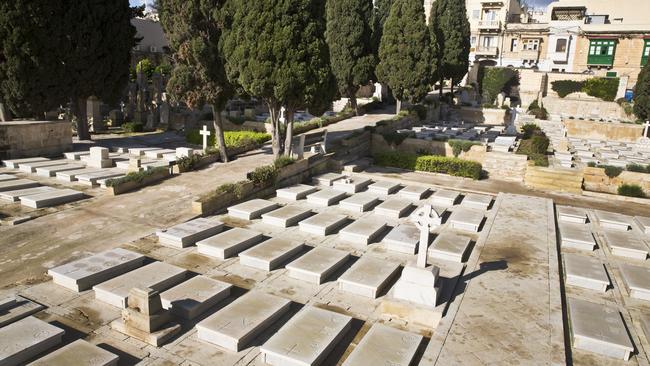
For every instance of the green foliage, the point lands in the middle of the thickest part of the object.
(189, 163)
(283, 161)
(419, 110)
(132, 127)
(459, 146)
(233, 139)
(263, 175)
(431, 163)
(603, 88)
(611, 171)
(379, 16)
(638, 168)
(234, 188)
(453, 36)
(566, 87)
(631, 190)
(135, 176)
(495, 80)
(404, 52)
(591, 164)
(642, 94)
(530, 129)
(164, 69)
(534, 144)
(146, 67)
(395, 138)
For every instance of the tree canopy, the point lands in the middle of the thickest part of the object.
(642, 94)
(453, 37)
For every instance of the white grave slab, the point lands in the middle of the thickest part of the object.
(31, 167)
(286, 216)
(326, 197)
(626, 244)
(297, 192)
(270, 254)
(368, 276)
(637, 281)
(229, 244)
(317, 264)
(383, 188)
(613, 221)
(84, 273)
(445, 198)
(252, 209)
(50, 171)
(360, 202)
(51, 198)
(14, 185)
(393, 208)
(403, 239)
(15, 163)
(140, 151)
(585, 272)
(307, 338)
(158, 276)
(577, 236)
(234, 326)
(572, 214)
(351, 185)
(76, 155)
(599, 329)
(466, 219)
(91, 179)
(14, 196)
(327, 179)
(449, 246)
(323, 224)
(364, 230)
(413, 193)
(158, 154)
(477, 201)
(71, 175)
(7, 177)
(385, 345)
(194, 296)
(26, 339)
(188, 233)
(78, 353)
(643, 223)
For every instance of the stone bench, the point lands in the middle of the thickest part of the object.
(188, 233)
(286, 216)
(637, 281)
(295, 193)
(323, 224)
(385, 345)
(252, 209)
(26, 339)
(229, 244)
(78, 353)
(403, 239)
(51, 198)
(577, 236)
(363, 231)
(315, 266)
(194, 296)
(326, 197)
(585, 272)
(360, 202)
(449, 246)
(368, 277)
(270, 254)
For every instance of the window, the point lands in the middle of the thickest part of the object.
(513, 44)
(490, 15)
(473, 41)
(601, 52)
(531, 44)
(476, 14)
(488, 41)
(560, 45)
(646, 53)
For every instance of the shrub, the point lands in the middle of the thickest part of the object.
(534, 144)
(611, 171)
(637, 168)
(538, 111)
(132, 127)
(395, 138)
(603, 88)
(529, 129)
(459, 146)
(566, 87)
(631, 190)
(494, 80)
(234, 188)
(135, 176)
(263, 176)
(234, 139)
(642, 94)
(283, 161)
(146, 67)
(431, 163)
(591, 164)
(188, 163)
(420, 111)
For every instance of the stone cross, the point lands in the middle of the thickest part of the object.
(424, 218)
(205, 133)
(282, 118)
(646, 128)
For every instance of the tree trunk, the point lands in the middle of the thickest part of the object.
(288, 142)
(452, 90)
(219, 140)
(442, 87)
(5, 116)
(353, 102)
(82, 119)
(274, 111)
(398, 106)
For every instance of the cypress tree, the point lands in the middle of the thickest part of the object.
(436, 47)
(276, 51)
(194, 29)
(349, 37)
(453, 39)
(379, 15)
(404, 52)
(642, 94)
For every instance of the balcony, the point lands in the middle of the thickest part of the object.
(486, 51)
(491, 3)
(489, 25)
(529, 55)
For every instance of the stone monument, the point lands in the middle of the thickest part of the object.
(99, 158)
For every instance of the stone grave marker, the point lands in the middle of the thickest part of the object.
(188, 233)
(364, 230)
(637, 281)
(31, 167)
(643, 223)
(26, 339)
(477, 201)
(585, 272)
(466, 219)
(326, 197)
(445, 198)
(413, 193)
(572, 215)
(296, 192)
(626, 244)
(14, 185)
(286, 216)
(385, 345)
(327, 179)
(270, 254)
(360, 202)
(205, 133)
(315, 266)
(7, 177)
(51, 198)
(15, 163)
(368, 276)
(613, 221)
(383, 188)
(50, 171)
(351, 185)
(323, 224)
(252, 209)
(450, 246)
(577, 236)
(194, 296)
(403, 239)
(393, 208)
(78, 353)
(14, 196)
(229, 244)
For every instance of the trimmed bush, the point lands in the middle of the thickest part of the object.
(431, 163)
(611, 171)
(637, 168)
(534, 144)
(566, 87)
(263, 175)
(132, 127)
(631, 190)
(395, 138)
(459, 146)
(135, 176)
(603, 88)
(188, 163)
(283, 161)
(234, 139)
(234, 188)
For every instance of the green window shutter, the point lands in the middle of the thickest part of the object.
(646, 53)
(601, 52)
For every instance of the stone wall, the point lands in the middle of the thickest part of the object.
(487, 116)
(22, 139)
(419, 146)
(581, 105)
(505, 166)
(596, 180)
(623, 132)
(627, 60)
(554, 179)
(531, 83)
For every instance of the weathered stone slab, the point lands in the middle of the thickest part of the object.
(78, 353)
(286, 216)
(637, 280)
(50, 171)
(364, 230)
(393, 208)
(92, 178)
(613, 221)
(270, 254)
(368, 276)
(7, 302)
(15, 163)
(140, 151)
(297, 192)
(317, 264)
(31, 167)
(71, 175)
(14, 185)
(229, 244)
(327, 179)
(158, 276)
(194, 296)
(626, 244)
(51, 198)
(26, 339)
(234, 326)
(413, 193)
(643, 223)
(477, 201)
(188, 233)
(360, 202)
(157, 154)
(445, 198)
(252, 209)
(599, 329)
(572, 214)
(6, 177)
(403, 239)
(577, 236)
(14, 196)
(385, 345)
(326, 197)
(466, 219)
(351, 185)
(585, 272)
(450, 246)
(18, 309)
(76, 155)
(83, 274)
(307, 338)
(383, 188)
(323, 224)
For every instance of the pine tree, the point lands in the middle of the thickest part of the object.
(404, 52)
(349, 37)
(276, 51)
(454, 40)
(194, 29)
(642, 94)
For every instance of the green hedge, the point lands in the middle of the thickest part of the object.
(566, 87)
(631, 190)
(135, 176)
(459, 146)
(234, 139)
(534, 144)
(603, 88)
(431, 163)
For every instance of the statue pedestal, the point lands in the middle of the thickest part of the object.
(419, 286)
